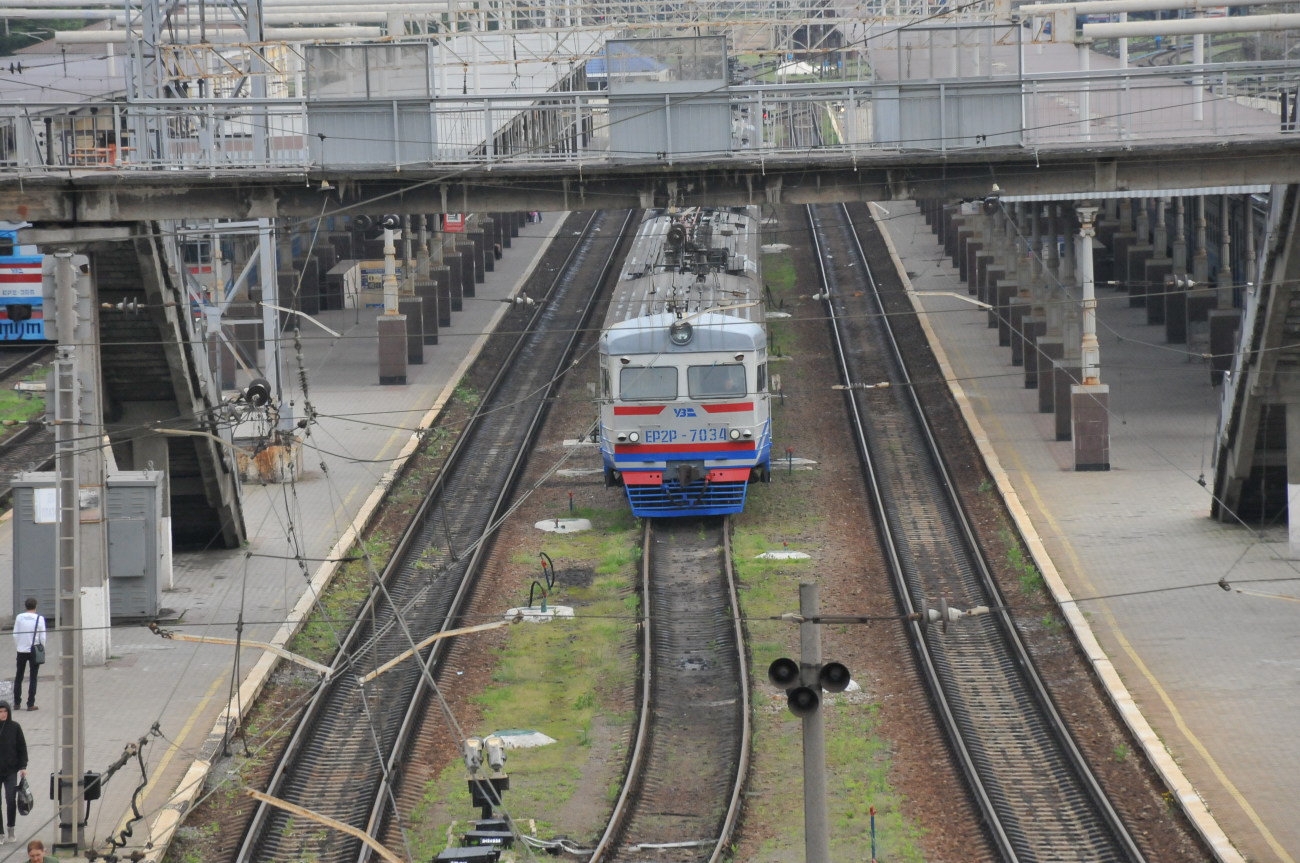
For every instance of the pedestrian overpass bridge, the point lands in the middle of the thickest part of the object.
(1034, 123)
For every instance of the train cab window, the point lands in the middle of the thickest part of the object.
(637, 383)
(762, 378)
(6, 245)
(716, 381)
(604, 384)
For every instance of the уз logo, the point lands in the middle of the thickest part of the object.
(684, 412)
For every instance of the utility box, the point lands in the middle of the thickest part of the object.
(36, 525)
(136, 547)
(134, 511)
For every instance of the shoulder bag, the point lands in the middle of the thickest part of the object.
(38, 653)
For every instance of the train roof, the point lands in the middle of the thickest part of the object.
(649, 285)
(710, 331)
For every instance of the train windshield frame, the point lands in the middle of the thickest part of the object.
(647, 383)
(716, 381)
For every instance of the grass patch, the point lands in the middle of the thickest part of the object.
(567, 679)
(19, 407)
(1031, 580)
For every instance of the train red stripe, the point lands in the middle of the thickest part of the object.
(730, 446)
(637, 410)
(728, 408)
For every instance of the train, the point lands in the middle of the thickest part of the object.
(22, 304)
(685, 414)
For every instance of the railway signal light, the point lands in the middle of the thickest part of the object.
(804, 700)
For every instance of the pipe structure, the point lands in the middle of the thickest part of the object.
(1192, 26)
(1091, 349)
(272, 34)
(294, 15)
(1108, 7)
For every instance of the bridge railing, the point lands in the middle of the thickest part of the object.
(1221, 102)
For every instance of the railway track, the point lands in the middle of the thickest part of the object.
(30, 447)
(690, 754)
(346, 755)
(1036, 794)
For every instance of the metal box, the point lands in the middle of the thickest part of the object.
(133, 513)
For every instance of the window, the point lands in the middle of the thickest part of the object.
(644, 383)
(716, 381)
(762, 378)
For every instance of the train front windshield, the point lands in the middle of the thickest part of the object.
(648, 383)
(716, 382)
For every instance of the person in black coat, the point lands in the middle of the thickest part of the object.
(13, 764)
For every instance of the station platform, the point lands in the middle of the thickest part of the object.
(363, 432)
(1213, 668)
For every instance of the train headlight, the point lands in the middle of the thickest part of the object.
(634, 436)
(681, 332)
(735, 434)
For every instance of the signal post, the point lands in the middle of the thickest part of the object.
(803, 683)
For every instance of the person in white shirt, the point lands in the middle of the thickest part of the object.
(29, 629)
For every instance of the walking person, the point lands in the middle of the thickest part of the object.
(13, 766)
(29, 631)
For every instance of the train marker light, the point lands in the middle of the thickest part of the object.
(634, 436)
(735, 434)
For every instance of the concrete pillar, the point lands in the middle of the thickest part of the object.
(426, 289)
(1293, 478)
(468, 267)
(422, 247)
(442, 280)
(455, 265)
(1224, 324)
(1178, 249)
(1090, 350)
(481, 251)
(1089, 401)
(1091, 429)
(392, 349)
(411, 308)
(1224, 276)
(1067, 372)
(1200, 258)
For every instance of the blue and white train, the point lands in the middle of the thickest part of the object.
(22, 307)
(685, 418)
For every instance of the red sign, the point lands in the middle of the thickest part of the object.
(454, 223)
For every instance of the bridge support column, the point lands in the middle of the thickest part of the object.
(1293, 478)
(1091, 430)
(392, 349)
(1090, 400)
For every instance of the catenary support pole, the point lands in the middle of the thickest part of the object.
(816, 822)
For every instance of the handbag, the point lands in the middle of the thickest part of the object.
(24, 797)
(38, 653)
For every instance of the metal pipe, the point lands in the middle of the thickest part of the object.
(273, 34)
(302, 15)
(1091, 349)
(1106, 7)
(1190, 26)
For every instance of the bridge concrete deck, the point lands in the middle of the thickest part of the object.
(363, 429)
(1215, 673)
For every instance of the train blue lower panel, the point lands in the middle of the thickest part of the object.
(698, 498)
